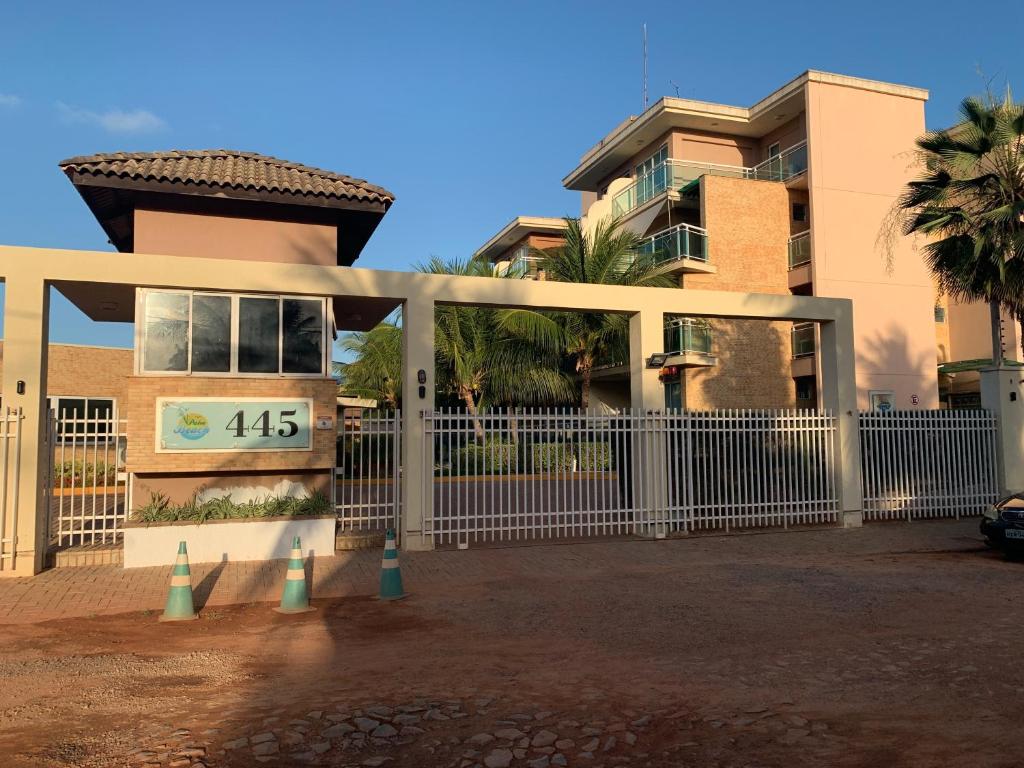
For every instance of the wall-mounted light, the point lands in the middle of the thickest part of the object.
(657, 360)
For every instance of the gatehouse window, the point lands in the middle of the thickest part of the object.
(203, 333)
(83, 418)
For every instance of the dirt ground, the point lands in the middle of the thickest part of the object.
(881, 647)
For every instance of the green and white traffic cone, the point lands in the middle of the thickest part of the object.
(179, 600)
(295, 597)
(390, 573)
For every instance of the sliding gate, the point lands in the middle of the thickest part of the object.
(544, 474)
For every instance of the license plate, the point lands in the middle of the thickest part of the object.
(1014, 533)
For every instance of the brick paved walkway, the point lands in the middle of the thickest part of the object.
(109, 589)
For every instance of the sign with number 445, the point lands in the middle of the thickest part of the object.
(227, 424)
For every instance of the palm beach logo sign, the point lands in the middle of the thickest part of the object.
(192, 425)
(233, 424)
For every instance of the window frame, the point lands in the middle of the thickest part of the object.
(326, 325)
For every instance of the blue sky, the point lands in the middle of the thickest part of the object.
(470, 113)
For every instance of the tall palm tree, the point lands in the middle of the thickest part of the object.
(970, 204)
(483, 363)
(376, 371)
(607, 256)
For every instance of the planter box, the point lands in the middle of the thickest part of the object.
(265, 538)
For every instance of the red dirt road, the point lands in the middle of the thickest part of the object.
(880, 647)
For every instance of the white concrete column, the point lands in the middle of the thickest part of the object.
(646, 336)
(650, 449)
(26, 329)
(1002, 394)
(839, 395)
(417, 475)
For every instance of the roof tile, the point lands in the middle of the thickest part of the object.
(228, 169)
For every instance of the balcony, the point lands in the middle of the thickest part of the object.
(673, 175)
(803, 346)
(524, 267)
(682, 248)
(688, 343)
(800, 260)
(800, 249)
(786, 165)
(803, 340)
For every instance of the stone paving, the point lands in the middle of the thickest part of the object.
(473, 733)
(111, 589)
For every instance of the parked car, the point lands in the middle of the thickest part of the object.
(1003, 525)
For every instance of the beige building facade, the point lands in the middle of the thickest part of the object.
(788, 196)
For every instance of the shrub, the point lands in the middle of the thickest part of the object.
(590, 457)
(491, 457)
(81, 474)
(160, 510)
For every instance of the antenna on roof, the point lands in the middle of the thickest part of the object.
(675, 85)
(645, 66)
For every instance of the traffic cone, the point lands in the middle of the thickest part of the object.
(179, 600)
(390, 573)
(295, 598)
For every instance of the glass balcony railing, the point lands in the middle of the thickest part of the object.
(685, 334)
(800, 249)
(683, 241)
(787, 164)
(525, 267)
(803, 340)
(676, 174)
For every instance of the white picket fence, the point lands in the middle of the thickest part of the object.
(539, 474)
(87, 498)
(367, 476)
(11, 424)
(928, 464)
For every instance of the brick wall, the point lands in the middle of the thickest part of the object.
(87, 371)
(144, 390)
(748, 224)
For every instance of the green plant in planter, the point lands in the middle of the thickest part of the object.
(159, 509)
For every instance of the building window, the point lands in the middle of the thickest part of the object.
(650, 176)
(84, 418)
(805, 388)
(184, 332)
(774, 150)
(940, 313)
(799, 211)
(211, 333)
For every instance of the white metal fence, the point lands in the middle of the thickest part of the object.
(88, 497)
(535, 474)
(367, 487)
(10, 466)
(926, 464)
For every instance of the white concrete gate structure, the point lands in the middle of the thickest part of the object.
(29, 274)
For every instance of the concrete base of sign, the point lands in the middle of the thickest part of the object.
(227, 540)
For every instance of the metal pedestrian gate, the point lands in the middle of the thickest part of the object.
(87, 492)
(367, 477)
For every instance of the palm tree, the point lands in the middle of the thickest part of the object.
(970, 204)
(483, 363)
(376, 371)
(608, 256)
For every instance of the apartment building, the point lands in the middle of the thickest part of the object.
(512, 248)
(788, 196)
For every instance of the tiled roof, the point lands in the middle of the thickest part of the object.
(224, 169)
